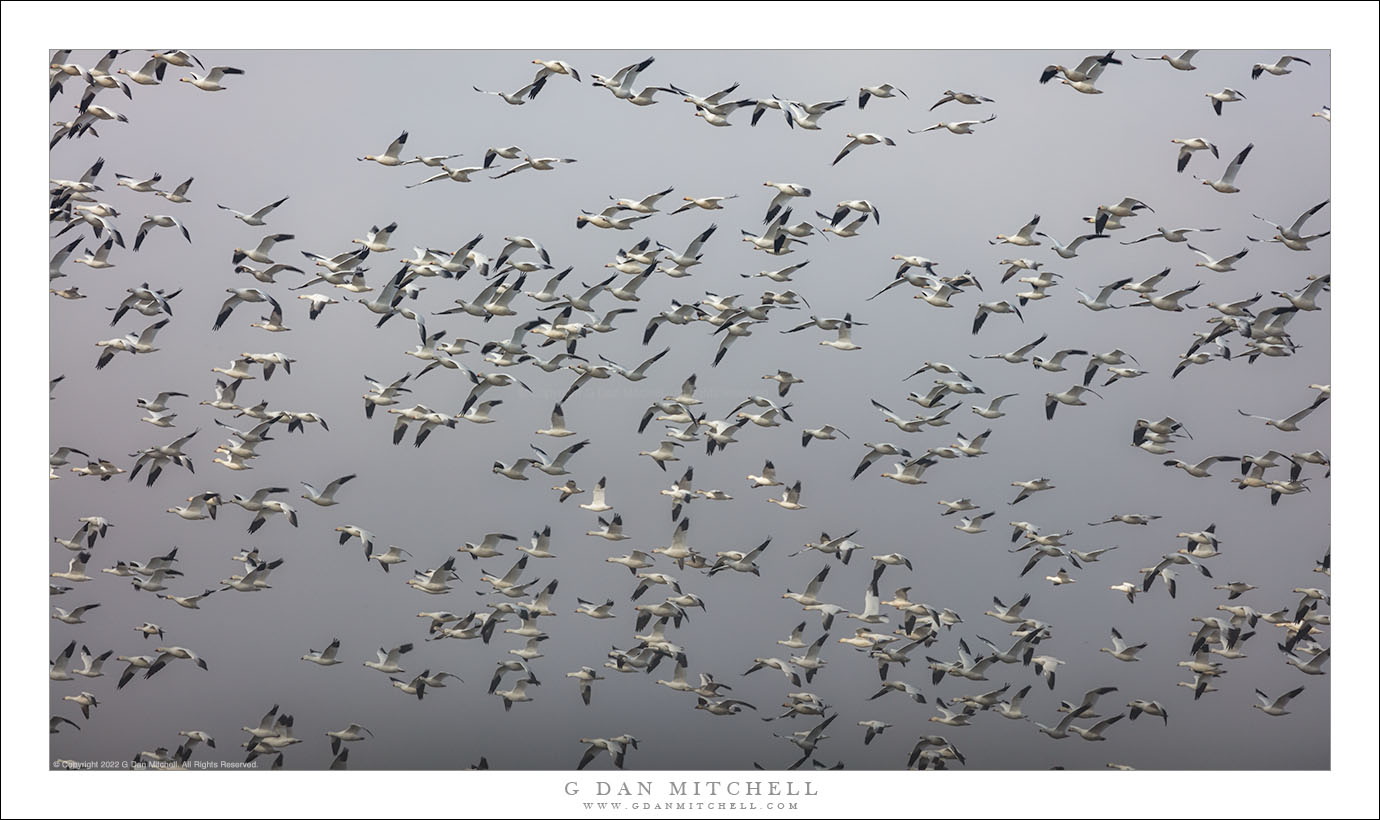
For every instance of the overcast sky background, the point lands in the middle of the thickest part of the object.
(1050, 151)
(1353, 319)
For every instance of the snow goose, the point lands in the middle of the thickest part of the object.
(325, 657)
(1169, 301)
(1200, 470)
(612, 530)
(961, 97)
(1186, 149)
(861, 139)
(73, 617)
(260, 253)
(881, 92)
(453, 174)
(984, 308)
(789, 500)
(1101, 302)
(960, 127)
(1325, 113)
(1226, 95)
(1294, 233)
(910, 471)
(1314, 665)
(255, 219)
(1278, 69)
(708, 203)
(1183, 62)
(825, 433)
(1070, 250)
(807, 116)
(1289, 424)
(1085, 70)
(1226, 185)
(99, 259)
(536, 164)
(151, 222)
(621, 83)
(1095, 733)
(846, 231)
(211, 82)
(85, 700)
(1121, 650)
(389, 157)
(177, 195)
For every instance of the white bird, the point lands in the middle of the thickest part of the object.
(881, 92)
(1226, 95)
(1226, 185)
(862, 139)
(211, 82)
(389, 157)
(960, 127)
(1278, 68)
(1289, 424)
(1121, 650)
(1183, 62)
(1275, 707)
(255, 219)
(536, 164)
(325, 498)
(325, 657)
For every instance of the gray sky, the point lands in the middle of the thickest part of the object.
(1282, 178)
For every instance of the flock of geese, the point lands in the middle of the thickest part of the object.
(548, 341)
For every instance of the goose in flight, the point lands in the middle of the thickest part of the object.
(536, 164)
(1101, 302)
(389, 157)
(325, 498)
(984, 308)
(255, 219)
(1312, 667)
(1070, 250)
(1289, 424)
(556, 466)
(1186, 149)
(1226, 185)
(881, 92)
(807, 116)
(1278, 69)
(1072, 396)
(708, 203)
(1121, 650)
(1086, 70)
(961, 97)
(85, 700)
(211, 82)
(151, 222)
(621, 83)
(453, 174)
(1169, 301)
(862, 139)
(1175, 235)
(789, 500)
(1021, 237)
(1200, 470)
(1275, 707)
(1095, 733)
(1294, 233)
(1183, 62)
(1226, 95)
(961, 127)
(325, 657)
